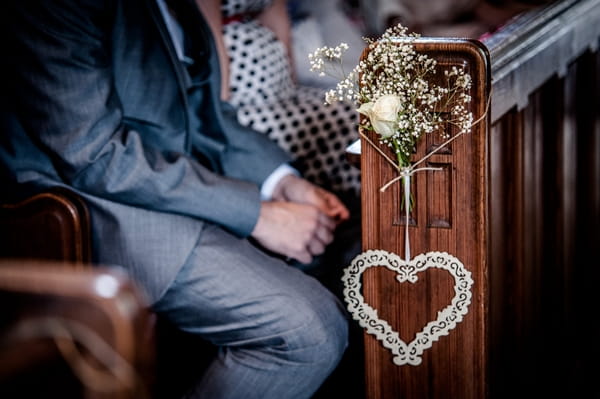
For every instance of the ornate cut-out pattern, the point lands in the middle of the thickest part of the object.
(407, 353)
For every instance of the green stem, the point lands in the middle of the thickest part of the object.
(402, 163)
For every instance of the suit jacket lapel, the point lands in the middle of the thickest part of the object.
(198, 82)
(183, 79)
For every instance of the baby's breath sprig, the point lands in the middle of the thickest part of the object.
(392, 87)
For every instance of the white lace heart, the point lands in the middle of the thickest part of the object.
(407, 271)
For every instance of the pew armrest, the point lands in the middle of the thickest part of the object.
(52, 224)
(77, 331)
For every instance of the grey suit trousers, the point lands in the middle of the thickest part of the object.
(279, 330)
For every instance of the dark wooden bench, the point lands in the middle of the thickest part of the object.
(52, 229)
(518, 203)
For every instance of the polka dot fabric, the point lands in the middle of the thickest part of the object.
(267, 99)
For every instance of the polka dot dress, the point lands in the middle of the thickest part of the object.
(267, 99)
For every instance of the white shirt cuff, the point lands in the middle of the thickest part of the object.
(266, 190)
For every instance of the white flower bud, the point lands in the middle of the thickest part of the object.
(383, 114)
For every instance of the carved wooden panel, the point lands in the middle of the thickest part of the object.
(449, 215)
(519, 204)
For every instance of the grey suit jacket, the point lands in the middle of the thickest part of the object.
(96, 100)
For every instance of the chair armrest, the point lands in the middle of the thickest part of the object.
(92, 320)
(53, 224)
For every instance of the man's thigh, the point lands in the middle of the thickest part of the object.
(232, 293)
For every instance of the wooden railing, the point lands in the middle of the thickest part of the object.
(518, 202)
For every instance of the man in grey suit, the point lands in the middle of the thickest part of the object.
(118, 100)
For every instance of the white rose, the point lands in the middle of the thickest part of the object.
(383, 114)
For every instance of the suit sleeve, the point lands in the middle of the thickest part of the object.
(64, 96)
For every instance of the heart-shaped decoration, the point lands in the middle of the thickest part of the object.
(407, 353)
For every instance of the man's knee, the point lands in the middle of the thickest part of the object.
(318, 334)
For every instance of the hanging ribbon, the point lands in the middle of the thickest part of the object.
(406, 181)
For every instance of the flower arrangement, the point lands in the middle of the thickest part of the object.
(392, 87)
(395, 90)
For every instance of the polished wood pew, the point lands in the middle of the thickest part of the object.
(71, 331)
(67, 329)
(518, 203)
(45, 257)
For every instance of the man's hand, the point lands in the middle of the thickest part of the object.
(295, 189)
(301, 219)
(295, 230)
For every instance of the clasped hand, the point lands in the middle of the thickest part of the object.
(300, 221)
